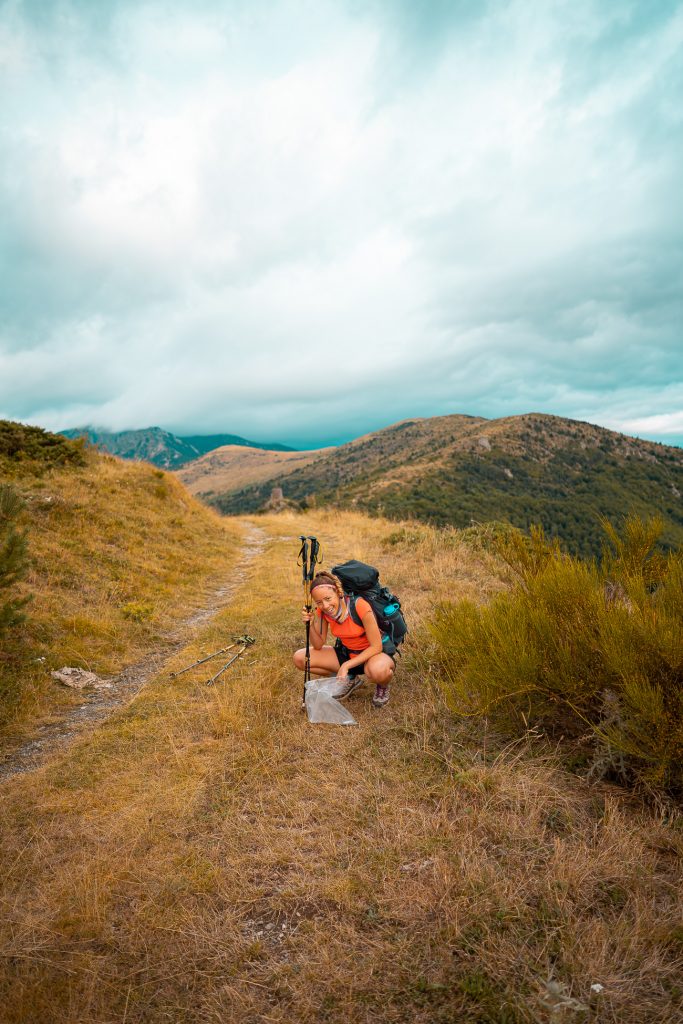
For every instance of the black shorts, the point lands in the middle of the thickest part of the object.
(344, 654)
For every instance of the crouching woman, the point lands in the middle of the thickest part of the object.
(358, 648)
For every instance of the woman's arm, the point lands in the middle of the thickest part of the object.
(374, 636)
(318, 632)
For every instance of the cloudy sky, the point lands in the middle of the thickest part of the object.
(300, 220)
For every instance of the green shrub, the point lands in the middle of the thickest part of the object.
(137, 611)
(24, 445)
(493, 535)
(578, 647)
(403, 537)
(13, 558)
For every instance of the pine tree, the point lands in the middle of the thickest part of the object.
(13, 558)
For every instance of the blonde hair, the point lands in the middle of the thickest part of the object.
(327, 579)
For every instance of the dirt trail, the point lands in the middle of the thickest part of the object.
(99, 704)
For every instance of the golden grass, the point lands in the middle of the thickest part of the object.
(234, 466)
(209, 856)
(120, 554)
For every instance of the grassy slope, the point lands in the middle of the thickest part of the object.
(537, 469)
(120, 554)
(232, 467)
(208, 856)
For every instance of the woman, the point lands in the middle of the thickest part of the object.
(357, 650)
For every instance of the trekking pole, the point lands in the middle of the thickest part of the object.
(247, 641)
(309, 556)
(224, 650)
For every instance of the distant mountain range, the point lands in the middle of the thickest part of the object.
(161, 447)
(457, 470)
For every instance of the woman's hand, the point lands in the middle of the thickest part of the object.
(343, 671)
(306, 616)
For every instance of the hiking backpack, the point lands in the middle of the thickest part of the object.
(361, 580)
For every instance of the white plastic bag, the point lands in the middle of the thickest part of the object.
(321, 705)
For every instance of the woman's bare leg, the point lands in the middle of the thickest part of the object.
(380, 669)
(323, 662)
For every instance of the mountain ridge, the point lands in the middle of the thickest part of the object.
(232, 467)
(161, 447)
(453, 470)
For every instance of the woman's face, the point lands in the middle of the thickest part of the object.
(326, 599)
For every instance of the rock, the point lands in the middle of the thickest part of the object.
(484, 443)
(79, 679)
(277, 501)
(557, 999)
(419, 865)
(508, 473)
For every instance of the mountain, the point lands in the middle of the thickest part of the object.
(455, 470)
(233, 467)
(203, 443)
(159, 446)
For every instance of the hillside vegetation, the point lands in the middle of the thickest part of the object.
(233, 467)
(208, 856)
(588, 652)
(455, 470)
(118, 553)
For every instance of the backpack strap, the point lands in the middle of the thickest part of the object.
(355, 614)
(352, 610)
(388, 645)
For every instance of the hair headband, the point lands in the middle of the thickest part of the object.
(323, 581)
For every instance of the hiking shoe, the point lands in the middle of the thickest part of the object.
(381, 696)
(347, 686)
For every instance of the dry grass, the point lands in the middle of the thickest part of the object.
(233, 466)
(208, 856)
(120, 555)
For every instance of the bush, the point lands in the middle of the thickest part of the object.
(579, 647)
(137, 611)
(22, 445)
(403, 537)
(13, 558)
(487, 536)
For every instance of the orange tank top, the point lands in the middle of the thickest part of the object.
(349, 632)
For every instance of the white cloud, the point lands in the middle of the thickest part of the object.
(224, 219)
(668, 424)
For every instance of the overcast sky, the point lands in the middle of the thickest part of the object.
(299, 220)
